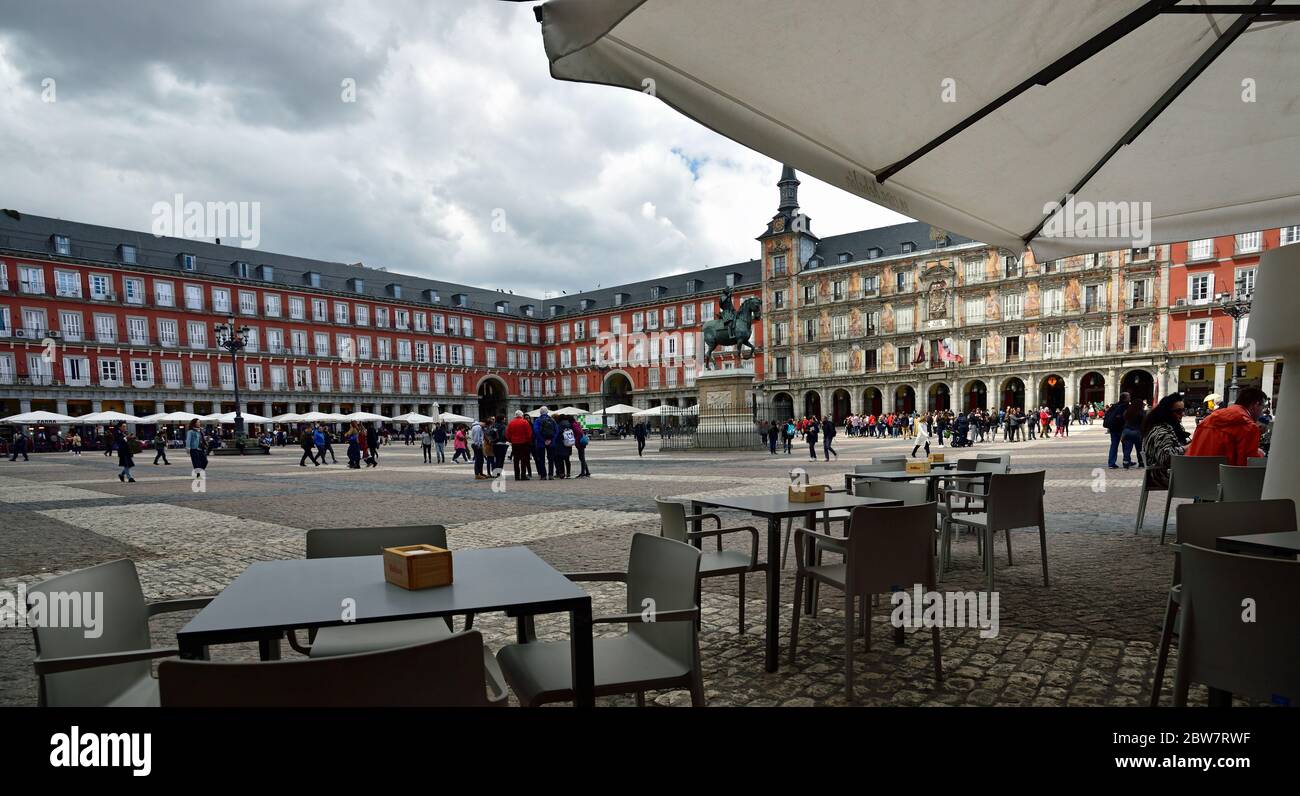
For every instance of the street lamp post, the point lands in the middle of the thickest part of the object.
(1238, 307)
(233, 340)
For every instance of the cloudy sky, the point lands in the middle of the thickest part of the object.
(456, 123)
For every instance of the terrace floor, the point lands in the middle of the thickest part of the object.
(1088, 639)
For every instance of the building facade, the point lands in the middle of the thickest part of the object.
(905, 317)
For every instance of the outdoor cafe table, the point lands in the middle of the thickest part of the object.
(776, 508)
(848, 477)
(1282, 545)
(932, 478)
(273, 597)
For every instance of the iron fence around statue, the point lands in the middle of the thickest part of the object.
(715, 429)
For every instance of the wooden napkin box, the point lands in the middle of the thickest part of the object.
(918, 467)
(936, 458)
(417, 566)
(808, 493)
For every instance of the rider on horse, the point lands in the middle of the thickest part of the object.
(728, 311)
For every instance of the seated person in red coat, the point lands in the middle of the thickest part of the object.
(1231, 431)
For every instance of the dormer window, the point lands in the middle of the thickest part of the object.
(357, 285)
(61, 243)
(620, 299)
(188, 262)
(503, 306)
(556, 309)
(311, 278)
(586, 304)
(459, 300)
(528, 310)
(241, 269)
(873, 252)
(908, 247)
(126, 254)
(394, 290)
(845, 257)
(656, 292)
(431, 296)
(266, 273)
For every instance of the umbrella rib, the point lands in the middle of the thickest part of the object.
(1118, 30)
(1186, 79)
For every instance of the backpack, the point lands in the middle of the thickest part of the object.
(583, 440)
(490, 435)
(568, 437)
(548, 428)
(789, 429)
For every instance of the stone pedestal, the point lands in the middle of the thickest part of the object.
(726, 414)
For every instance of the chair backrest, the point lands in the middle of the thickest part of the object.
(1015, 500)
(878, 467)
(1241, 483)
(1195, 476)
(448, 672)
(912, 493)
(661, 576)
(890, 547)
(899, 459)
(1257, 658)
(1005, 458)
(672, 519)
(107, 602)
(966, 465)
(340, 542)
(1201, 524)
(1257, 461)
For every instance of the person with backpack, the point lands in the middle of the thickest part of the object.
(476, 437)
(789, 436)
(828, 434)
(547, 433)
(810, 437)
(568, 441)
(540, 456)
(639, 431)
(583, 440)
(1113, 422)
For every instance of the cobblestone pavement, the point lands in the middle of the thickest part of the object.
(1088, 639)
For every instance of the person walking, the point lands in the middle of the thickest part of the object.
(20, 447)
(541, 455)
(440, 441)
(519, 434)
(160, 448)
(1113, 422)
(773, 430)
(810, 436)
(76, 444)
(329, 445)
(320, 438)
(363, 443)
(476, 446)
(307, 441)
(828, 434)
(500, 446)
(372, 444)
(789, 436)
(1132, 435)
(568, 441)
(426, 445)
(194, 447)
(583, 440)
(460, 446)
(125, 453)
(354, 447)
(639, 431)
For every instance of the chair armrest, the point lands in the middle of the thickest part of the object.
(295, 644)
(947, 493)
(824, 539)
(677, 615)
(829, 491)
(619, 577)
(76, 662)
(753, 559)
(167, 606)
(705, 515)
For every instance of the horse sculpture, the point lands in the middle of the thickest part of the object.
(717, 334)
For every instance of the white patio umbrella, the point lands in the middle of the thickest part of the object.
(616, 409)
(109, 417)
(974, 117)
(320, 417)
(414, 418)
(229, 417)
(538, 411)
(287, 417)
(1214, 396)
(37, 418)
(450, 417)
(658, 411)
(570, 411)
(171, 417)
(365, 417)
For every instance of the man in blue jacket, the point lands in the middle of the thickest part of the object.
(546, 434)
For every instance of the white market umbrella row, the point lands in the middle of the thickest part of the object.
(658, 411)
(37, 418)
(449, 417)
(414, 418)
(225, 418)
(616, 409)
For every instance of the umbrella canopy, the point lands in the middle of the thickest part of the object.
(287, 417)
(414, 418)
(364, 417)
(229, 417)
(616, 409)
(37, 418)
(538, 411)
(1214, 396)
(449, 417)
(319, 417)
(658, 411)
(981, 118)
(569, 411)
(171, 417)
(110, 417)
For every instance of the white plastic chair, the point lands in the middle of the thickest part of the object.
(1194, 478)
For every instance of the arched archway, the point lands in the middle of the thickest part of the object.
(812, 404)
(976, 396)
(872, 401)
(1013, 394)
(1139, 385)
(938, 398)
(616, 388)
(1051, 391)
(782, 406)
(905, 399)
(1092, 388)
(492, 397)
(841, 405)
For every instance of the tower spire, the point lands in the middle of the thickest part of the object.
(789, 185)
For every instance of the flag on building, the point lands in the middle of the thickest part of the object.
(919, 358)
(948, 351)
